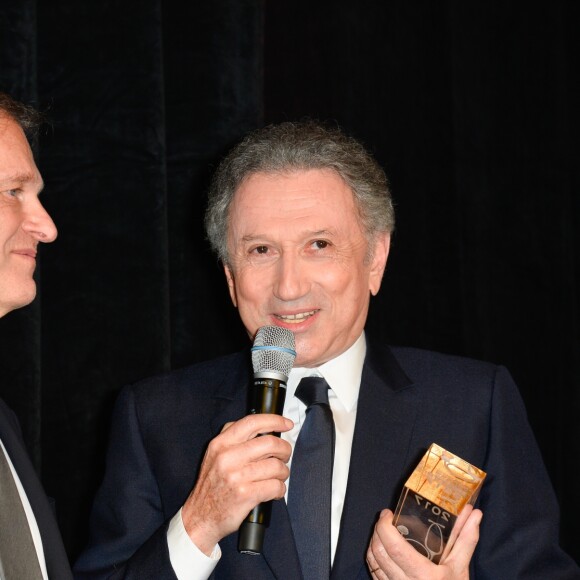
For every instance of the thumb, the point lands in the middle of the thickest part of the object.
(462, 551)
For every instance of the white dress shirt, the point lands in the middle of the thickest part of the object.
(35, 532)
(343, 375)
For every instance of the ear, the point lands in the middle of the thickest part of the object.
(379, 262)
(231, 284)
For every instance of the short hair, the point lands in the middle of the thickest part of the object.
(296, 146)
(26, 116)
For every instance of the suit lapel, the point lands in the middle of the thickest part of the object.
(279, 547)
(231, 395)
(385, 420)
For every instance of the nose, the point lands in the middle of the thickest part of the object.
(292, 278)
(38, 224)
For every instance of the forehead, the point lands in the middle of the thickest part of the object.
(16, 159)
(293, 194)
(10, 131)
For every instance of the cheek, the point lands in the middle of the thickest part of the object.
(351, 297)
(343, 283)
(250, 294)
(9, 227)
(246, 286)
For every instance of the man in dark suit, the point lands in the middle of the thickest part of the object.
(30, 542)
(301, 217)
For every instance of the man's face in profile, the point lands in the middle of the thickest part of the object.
(299, 259)
(23, 220)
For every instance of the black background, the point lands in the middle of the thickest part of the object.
(472, 108)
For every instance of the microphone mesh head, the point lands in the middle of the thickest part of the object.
(273, 350)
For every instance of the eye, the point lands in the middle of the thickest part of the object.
(259, 250)
(320, 244)
(12, 192)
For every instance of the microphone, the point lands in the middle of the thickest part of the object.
(273, 355)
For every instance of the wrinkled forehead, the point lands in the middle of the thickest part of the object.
(308, 173)
(295, 204)
(310, 181)
(17, 165)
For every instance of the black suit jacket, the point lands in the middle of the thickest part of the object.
(56, 559)
(408, 400)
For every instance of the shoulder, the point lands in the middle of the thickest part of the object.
(168, 405)
(219, 377)
(438, 371)
(419, 363)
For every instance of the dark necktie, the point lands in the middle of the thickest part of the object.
(310, 493)
(18, 557)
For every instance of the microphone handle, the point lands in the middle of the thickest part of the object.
(266, 396)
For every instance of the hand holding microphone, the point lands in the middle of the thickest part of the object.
(239, 470)
(273, 355)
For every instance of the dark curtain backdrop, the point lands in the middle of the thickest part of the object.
(472, 108)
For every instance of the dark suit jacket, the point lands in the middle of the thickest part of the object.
(56, 559)
(408, 400)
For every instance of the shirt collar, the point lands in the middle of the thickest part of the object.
(343, 373)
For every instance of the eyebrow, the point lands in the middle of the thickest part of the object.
(307, 234)
(19, 178)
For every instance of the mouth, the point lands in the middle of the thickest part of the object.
(295, 318)
(27, 253)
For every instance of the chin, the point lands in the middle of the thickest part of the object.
(306, 358)
(25, 298)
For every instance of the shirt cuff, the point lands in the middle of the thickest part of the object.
(187, 560)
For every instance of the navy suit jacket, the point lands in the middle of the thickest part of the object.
(54, 553)
(408, 400)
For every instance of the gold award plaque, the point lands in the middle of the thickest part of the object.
(436, 501)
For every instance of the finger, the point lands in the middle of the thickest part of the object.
(243, 462)
(382, 565)
(268, 446)
(270, 468)
(259, 482)
(397, 557)
(372, 564)
(268, 490)
(253, 425)
(464, 546)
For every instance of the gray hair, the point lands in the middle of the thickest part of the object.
(26, 116)
(300, 146)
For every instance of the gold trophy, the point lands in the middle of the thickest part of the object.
(436, 501)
